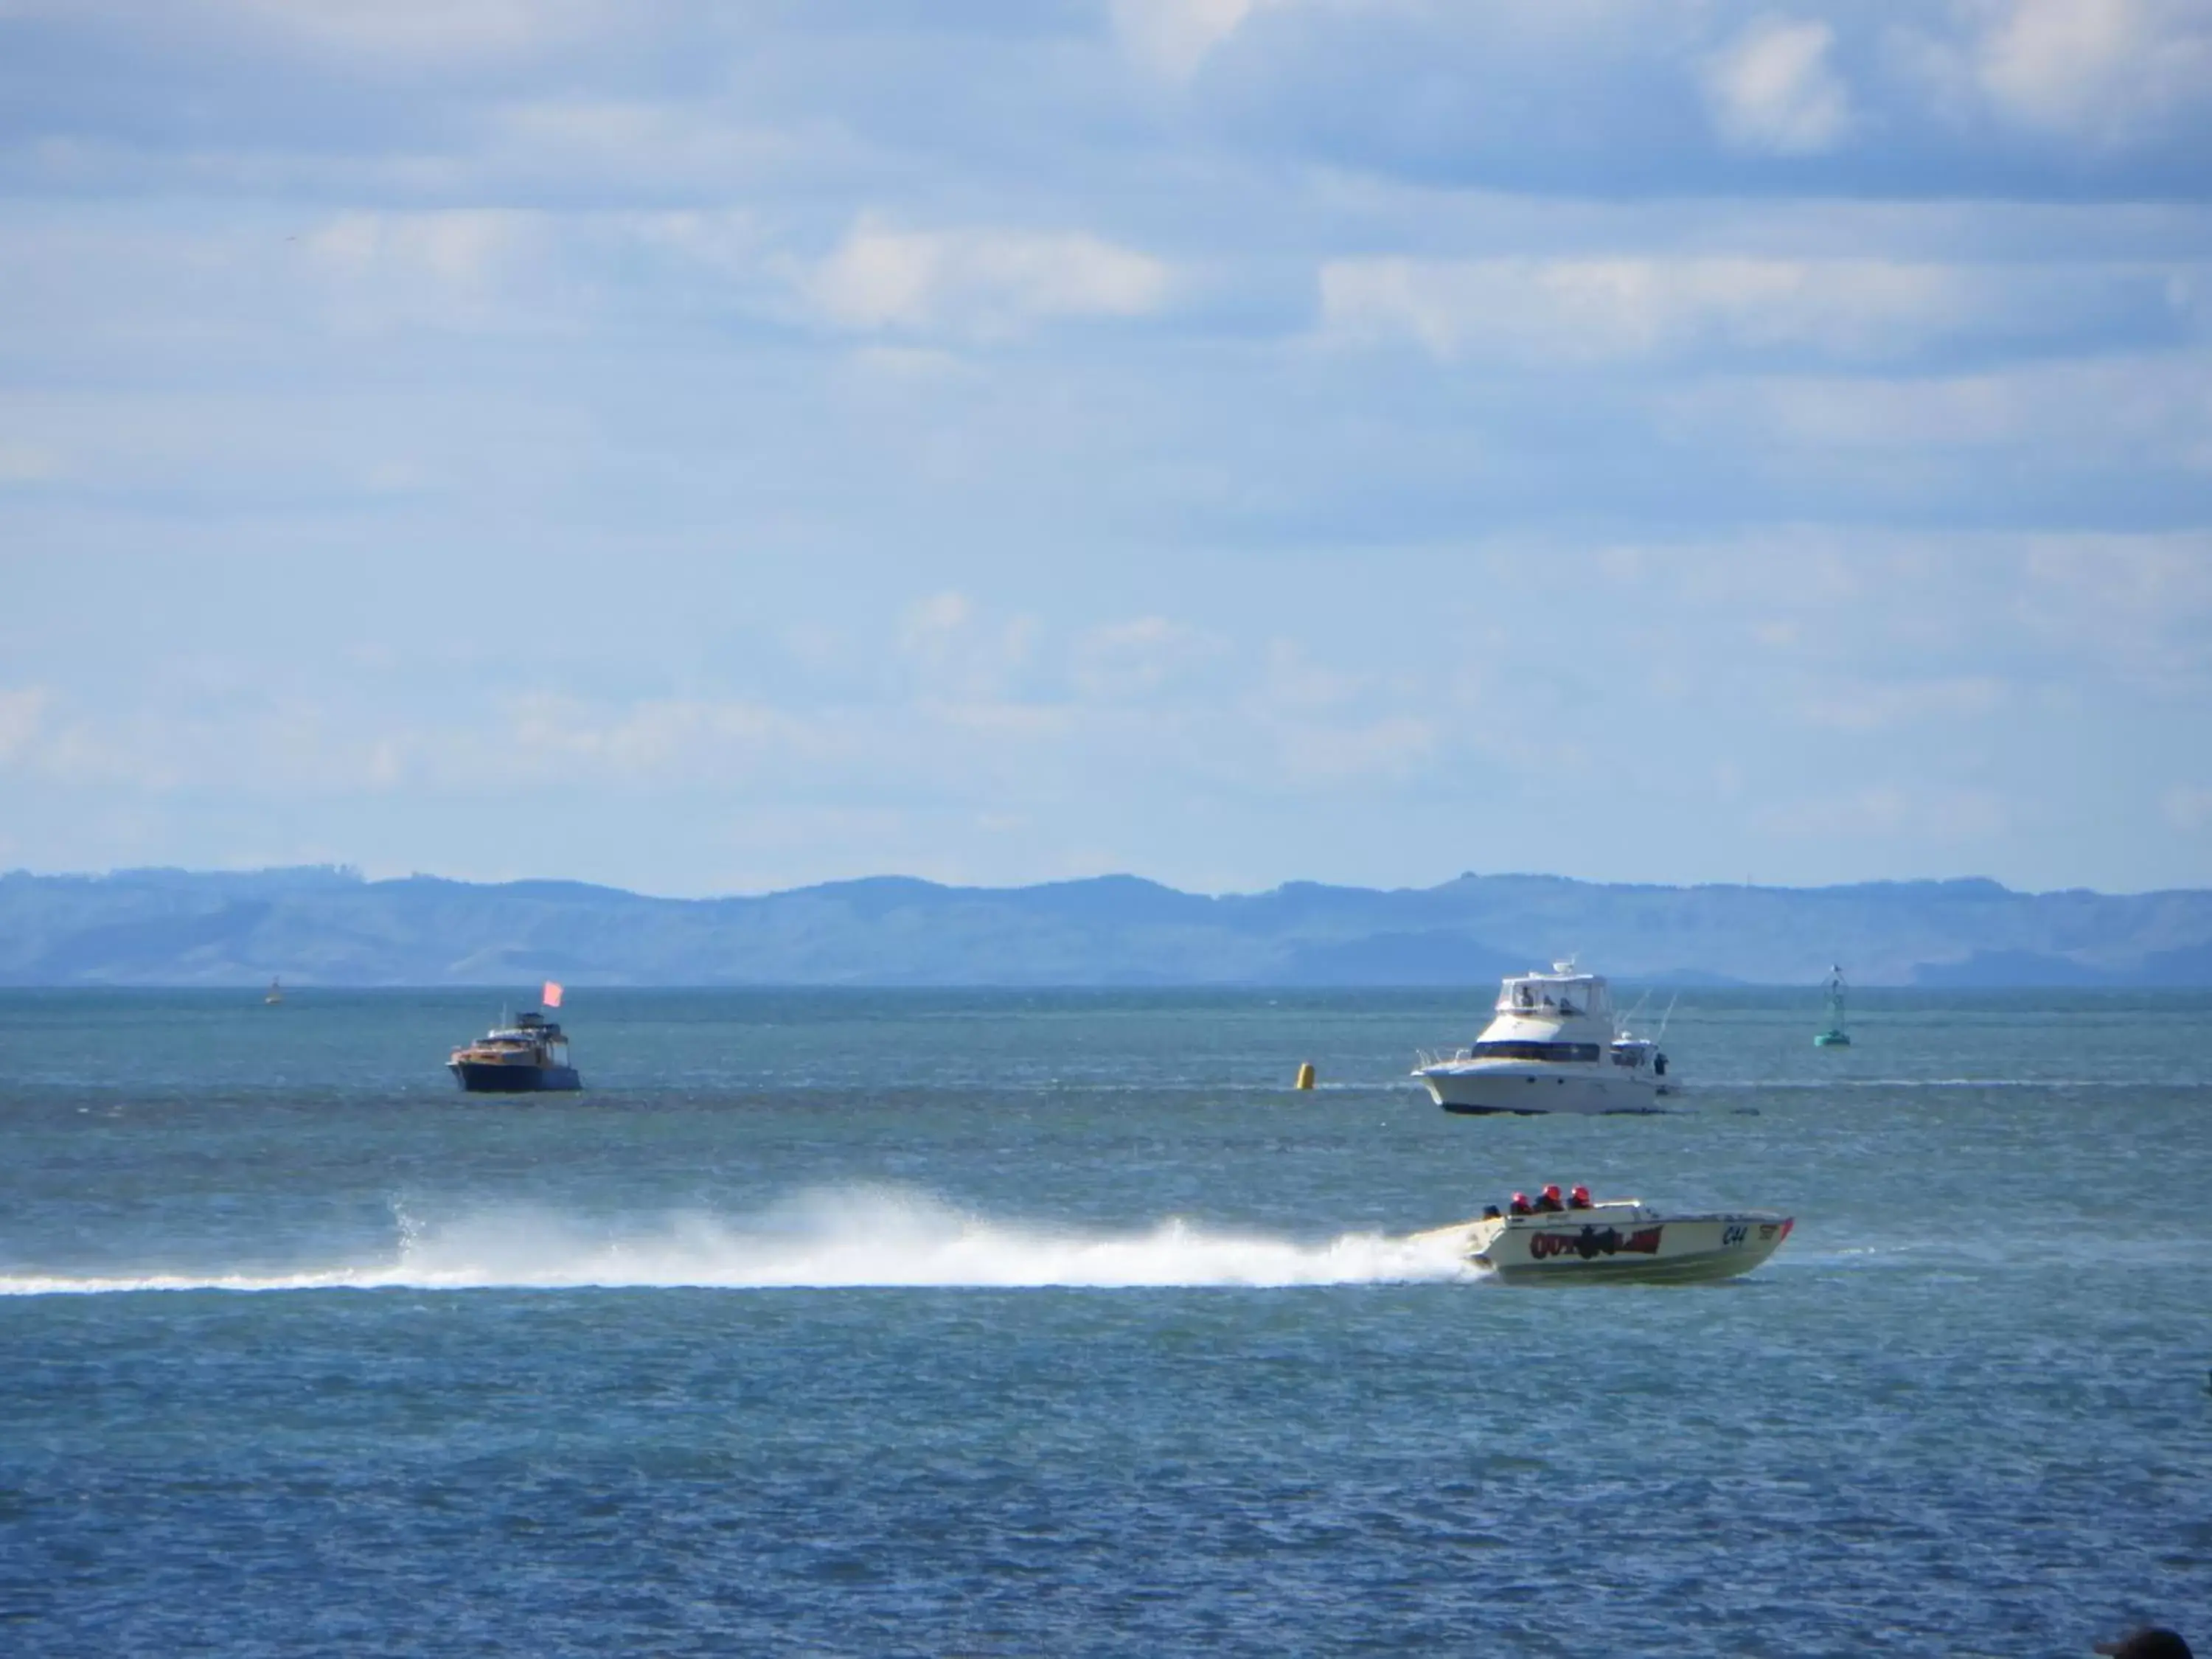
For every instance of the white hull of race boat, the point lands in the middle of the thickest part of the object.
(1476, 1087)
(1621, 1241)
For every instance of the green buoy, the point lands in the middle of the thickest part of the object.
(1835, 1037)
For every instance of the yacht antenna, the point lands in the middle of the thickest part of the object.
(1668, 1015)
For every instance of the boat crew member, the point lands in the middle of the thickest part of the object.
(1579, 1199)
(1519, 1206)
(1550, 1203)
(1489, 1213)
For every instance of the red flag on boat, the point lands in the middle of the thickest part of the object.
(552, 998)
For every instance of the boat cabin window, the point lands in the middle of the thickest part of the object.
(1548, 1052)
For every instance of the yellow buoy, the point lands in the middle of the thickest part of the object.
(1305, 1075)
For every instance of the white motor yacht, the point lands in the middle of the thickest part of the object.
(1555, 1045)
(1620, 1239)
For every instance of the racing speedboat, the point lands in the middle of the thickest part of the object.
(1621, 1239)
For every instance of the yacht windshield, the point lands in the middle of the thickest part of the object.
(1544, 996)
(1549, 1053)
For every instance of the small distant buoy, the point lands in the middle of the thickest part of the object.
(1306, 1075)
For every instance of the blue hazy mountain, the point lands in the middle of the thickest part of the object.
(328, 925)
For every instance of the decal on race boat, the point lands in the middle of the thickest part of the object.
(1591, 1243)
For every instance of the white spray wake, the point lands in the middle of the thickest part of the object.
(838, 1238)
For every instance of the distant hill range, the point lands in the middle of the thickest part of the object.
(329, 926)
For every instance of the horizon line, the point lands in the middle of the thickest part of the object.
(353, 874)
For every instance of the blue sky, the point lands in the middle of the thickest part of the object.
(711, 448)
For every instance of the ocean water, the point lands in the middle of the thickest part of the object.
(900, 1322)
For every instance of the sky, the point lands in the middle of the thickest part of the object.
(716, 447)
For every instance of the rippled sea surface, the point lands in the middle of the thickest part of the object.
(896, 1323)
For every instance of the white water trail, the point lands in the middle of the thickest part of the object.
(849, 1237)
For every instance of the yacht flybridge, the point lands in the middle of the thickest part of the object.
(1555, 1045)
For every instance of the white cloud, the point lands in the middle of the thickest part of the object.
(933, 628)
(455, 269)
(1128, 660)
(958, 655)
(2118, 417)
(1317, 755)
(157, 748)
(1891, 811)
(27, 464)
(457, 247)
(1626, 308)
(2095, 69)
(669, 740)
(22, 714)
(438, 30)
(1295, 681)
(2143, 606)
(1173, 37)
(1877, 706)
(1775, 90)
(613, 145)
(906, 370)
(2188, 808)
(986, 283)
(2108, 75)
(1962, 815)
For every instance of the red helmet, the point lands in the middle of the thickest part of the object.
(1520, 1198)
(1581, 1193)
(1550, 1192)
